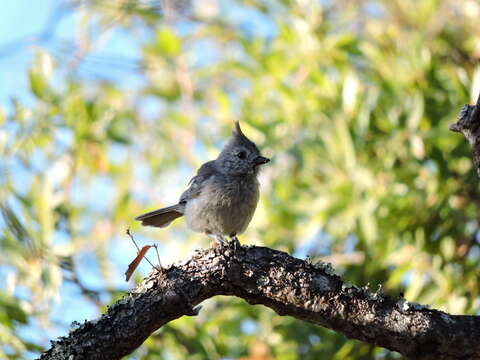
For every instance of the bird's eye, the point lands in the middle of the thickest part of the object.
(242, 155)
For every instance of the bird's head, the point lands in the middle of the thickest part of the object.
(240, 156)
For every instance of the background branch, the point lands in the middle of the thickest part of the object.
(290, 286)
(468, 124)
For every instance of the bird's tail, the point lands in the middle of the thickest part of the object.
(161, 217)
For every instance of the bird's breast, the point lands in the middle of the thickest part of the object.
(225, 206)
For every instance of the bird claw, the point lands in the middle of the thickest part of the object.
(235, 242)
(221, 240)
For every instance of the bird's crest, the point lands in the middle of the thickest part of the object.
(240, 138)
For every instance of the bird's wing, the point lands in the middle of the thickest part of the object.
(198, 181)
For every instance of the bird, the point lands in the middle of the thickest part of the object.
(222, 197)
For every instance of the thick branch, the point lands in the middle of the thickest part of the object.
(468, 124)
(289, 286)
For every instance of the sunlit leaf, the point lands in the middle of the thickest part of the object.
(167, 43)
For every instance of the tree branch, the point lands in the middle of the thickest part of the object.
(468, 124)
(289, 286)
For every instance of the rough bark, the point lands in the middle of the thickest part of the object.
(290, 286)
(468, 123)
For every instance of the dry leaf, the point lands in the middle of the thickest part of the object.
(134, 264)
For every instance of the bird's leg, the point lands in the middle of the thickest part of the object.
(218, 240)
(234, 239)
(221, 240)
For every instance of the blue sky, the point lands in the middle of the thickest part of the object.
(21, 24)
(26, 26)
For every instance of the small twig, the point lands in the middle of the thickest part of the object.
(159, 267)
(158, 255)
(92, 295)
(131, 237)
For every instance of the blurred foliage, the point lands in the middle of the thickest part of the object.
(351, 99)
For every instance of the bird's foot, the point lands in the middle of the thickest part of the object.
(220, 240)
(235, 242)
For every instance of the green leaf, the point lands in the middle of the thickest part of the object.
(11, 307)
(38, 84)
(167, 43)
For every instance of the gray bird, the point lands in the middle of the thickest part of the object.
(222, 197)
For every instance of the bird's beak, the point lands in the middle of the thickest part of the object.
(260, 160)
(454, 127)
